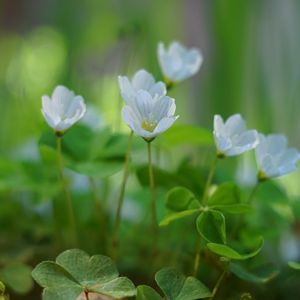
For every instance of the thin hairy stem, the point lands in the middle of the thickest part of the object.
(122, 193)
(68, 200)
(152, 189)
(217, 286)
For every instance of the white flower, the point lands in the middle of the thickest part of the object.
(273, 156)
(177, 62)
(142, 80)
(149, 116)
(232, 137)
(63, 109)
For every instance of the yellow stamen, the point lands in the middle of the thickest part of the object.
(149, 126)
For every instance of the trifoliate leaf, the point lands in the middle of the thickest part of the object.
(74, 271)
(177, 286)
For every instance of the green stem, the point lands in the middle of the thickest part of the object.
(68, 200)
(122, 193)
(197, 257)
(152, 188)
(209, 180)
(99, 211)
(253, 192)
(217, 286)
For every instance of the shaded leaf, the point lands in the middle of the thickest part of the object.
(211, 226)
(17, 276)
(182, 134)
(176, 286)
(260, 276)
(145, 292)
(179, 199)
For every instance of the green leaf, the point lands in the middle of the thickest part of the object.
(176, 286)
(226, 194)
(172, 217)
(211, 226)
(17, 276)
(145, 292)
(75, 271)
(99, 169)
(179, 199)
(2, 288)
(234, 208)
(294, 265)
(263, 275)
(230, 253)
(62, 292)
(182, 134)
(118, 288)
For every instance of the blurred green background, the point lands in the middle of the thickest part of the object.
(250, 49)
(251, 66)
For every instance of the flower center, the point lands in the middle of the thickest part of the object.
(149, 125)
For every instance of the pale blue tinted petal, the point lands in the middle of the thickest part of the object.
(142, 80)
(143, 104)
(164, 107)
(235, 125)
(158, 89)
(127, 92)
(164, 124)
(276, 143)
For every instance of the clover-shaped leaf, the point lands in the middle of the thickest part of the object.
(176, 286)
(211, 226)
(145, 292)
(75, 272)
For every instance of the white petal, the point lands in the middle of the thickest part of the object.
(164, 107)
(127, 92)
(142, 80)
(158, 89)
(235, 125)
(164, 124)
(276, 143)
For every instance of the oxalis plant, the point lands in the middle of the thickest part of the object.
(214, 214)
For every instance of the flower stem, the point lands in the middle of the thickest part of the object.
(204, 202)
(209, 180)
(100, 213)
(152, 188)
(122, 193)
(68, 200)
(197, 256)
(253, 192)
(217, 286)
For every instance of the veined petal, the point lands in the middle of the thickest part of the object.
(164, 124)
(158, 89)
(127, 92)
(235, 125)
(276, 143)
(142, 80)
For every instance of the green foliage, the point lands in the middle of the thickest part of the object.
(181, 134)
(294, 265)
(145, 292)
(211, 226)
(75, 272)
(261, 275)
(176, 286)
(17, 276)
(226, 251)
(180, 198)
(227, 198)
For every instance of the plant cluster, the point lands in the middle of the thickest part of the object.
(219, 226)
